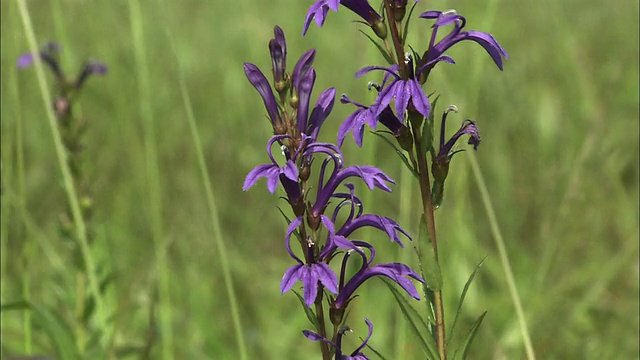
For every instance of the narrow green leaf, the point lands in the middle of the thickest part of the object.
(284, 215)
(405, 31)
(374, 351)
(400, 154)
(382, 50)
(427, 128)
(90, 303)
(463, 295)
(310, 314)
(59, 332)
(427, 258)
(462, 350)
(417, 324)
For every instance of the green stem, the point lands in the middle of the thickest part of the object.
(397, 41)
(324, 347)
(80, 227)
(427, 202)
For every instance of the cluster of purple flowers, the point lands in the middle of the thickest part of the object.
(319, 233)
(48, 54)
(401, 106)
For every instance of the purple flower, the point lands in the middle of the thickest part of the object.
(367, 115)
(372, 177)
(272, 171)
(468, 127)
(318, 12)
(259, 81)
(313, 271)
(356, 219)
(400, 90)
(302, 81)
(91, 67)
(278, 50)
(356, 354)
(355, 122)
(440, 165)
(397, 272)
(435, 51)
(48, 53)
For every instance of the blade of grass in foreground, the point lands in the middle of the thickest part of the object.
(215, 220)
(153, 178)
(488, 20)
(61, 155)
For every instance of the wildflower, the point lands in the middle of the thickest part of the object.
(435, 51)
(397, 272)
(440, 164)
(355, 122)
(367, 115)
(356, 220)
(91, 67)
(272, 171)
(372, 176)
(259, 81)
(318, 12)
(278, 50)
(403, 91)
(314, 271)
(356, 354)
(48, 54)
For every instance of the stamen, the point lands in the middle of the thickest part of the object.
(374, 85)
(451, 108)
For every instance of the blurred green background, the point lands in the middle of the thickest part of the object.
(559, 154)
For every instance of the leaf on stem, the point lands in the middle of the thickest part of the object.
(463, 295)
(463, 348)
(427, 129)
(417, 324)
(382, 50)
(427, 259)
(400, 153)
(310, 314)
(405, 31)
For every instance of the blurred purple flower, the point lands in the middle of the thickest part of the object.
(48, 53)
(356, 354)
(91, 67)
(318, 11)
(435, 50)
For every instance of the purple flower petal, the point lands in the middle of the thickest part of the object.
(259, 81)
(25, 60)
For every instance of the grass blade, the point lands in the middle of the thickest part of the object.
(54, 326)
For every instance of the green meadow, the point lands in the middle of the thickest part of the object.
(174, 127)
